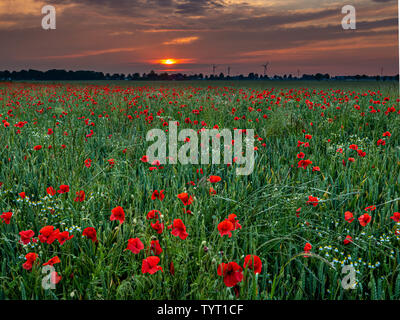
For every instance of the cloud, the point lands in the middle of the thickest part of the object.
(185, 40)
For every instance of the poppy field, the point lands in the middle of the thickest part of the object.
(85, 215)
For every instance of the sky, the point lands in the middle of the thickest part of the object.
(128, 36)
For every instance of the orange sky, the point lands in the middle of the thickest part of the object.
(127, 36)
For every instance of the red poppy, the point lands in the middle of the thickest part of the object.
(185, 198)
(51, 191)
(22, 195)
(111, 162)
(155, 247)
(118, 214)
(88, 163)
(364, 219)
(158, 195)
(312, 200)
(307, 247)
(6, 217)
(90, 233)
(30, 259)
(158, 227)
(348, 216)
(179, 229)
(225, 227)
(55, 277)
(52, 261)
(231, 272)
(235, 223)
(300, 155)
(26, 236)
(80, 196)
(36, 148)
(153, 214)
(150, 265)
(145, 159)
(353, 147)
(48, 234)
(304, 163)
(135, 245)
(396, 217)
(214, 179)
(253, 262)
(380, 142)
(63, 237)
(63, 189)
(212, 191)
(347, 240)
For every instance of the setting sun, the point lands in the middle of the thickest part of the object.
(168, 61)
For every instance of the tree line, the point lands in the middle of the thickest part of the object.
(60, 74)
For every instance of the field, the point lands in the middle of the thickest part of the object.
(76, 191)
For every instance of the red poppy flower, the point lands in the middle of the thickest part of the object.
(6, 217)
(158, 227)
(380, 142)
(80, 196)
(364, 219)
(88, 163)
(185, 198)
(212, 191)
(253, 262)
(179, 229)
(396, 217)
(36, 148)
(153, 214)
(118, 214)
(312, 200)
(26, 236)
(63, 189)
(158, 195)
(90, 233)
(231, 272)
(145, 159)
(51, 191)
(64, 236)
(347, 240)
(386, 134)
(300, 155)
(22, 195)
(304, 163)
(55, 277)
(214, 179)
(307, 247)
(30, 259)
(48, 234)
(150, 265)
(353, 147)
(225, 227)
(155, 247)
(111, 162)
(135, 245)
(235, 223)
(52, 261)
(348, 216)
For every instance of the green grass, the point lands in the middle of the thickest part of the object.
(265, 202)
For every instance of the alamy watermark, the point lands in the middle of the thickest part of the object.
(189, 153)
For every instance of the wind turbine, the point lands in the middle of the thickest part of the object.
(214, 66)
(265, 68)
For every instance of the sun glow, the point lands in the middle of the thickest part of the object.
(168, 61)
